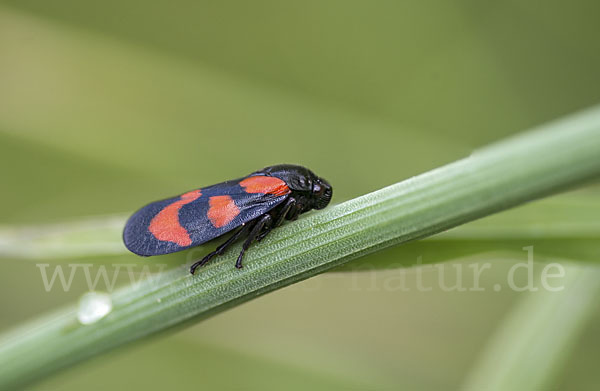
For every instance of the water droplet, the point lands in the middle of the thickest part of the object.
(93, 306)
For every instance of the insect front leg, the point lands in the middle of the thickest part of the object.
(295, 211)
(289, 204)
(262, 222)
(221, 249)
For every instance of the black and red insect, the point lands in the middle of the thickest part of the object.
(254, 204)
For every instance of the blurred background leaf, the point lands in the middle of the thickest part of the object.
(566, 226)
(512, 358)
(105, 106)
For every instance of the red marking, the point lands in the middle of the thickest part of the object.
(266, 185)
(222, 210)
(165, 225)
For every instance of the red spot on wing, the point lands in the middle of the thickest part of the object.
(165, 225)
(222, 210)
(266, 185)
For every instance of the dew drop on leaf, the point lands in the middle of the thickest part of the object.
(93, 306)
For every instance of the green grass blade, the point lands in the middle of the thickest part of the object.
(529, 166)
(564, 227)
(532, 343)
(561, 226)
(100, 236)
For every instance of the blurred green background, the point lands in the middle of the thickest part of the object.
(105, 106)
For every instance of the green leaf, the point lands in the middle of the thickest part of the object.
(552, 158)
(563, 227)
(533, 342)
(566, 226)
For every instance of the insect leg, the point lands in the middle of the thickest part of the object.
(263, 221)
(289, 204)
(221, 249)
(295, 212)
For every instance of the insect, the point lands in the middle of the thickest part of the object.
(255, 205)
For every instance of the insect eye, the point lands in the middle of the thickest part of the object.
(322, 191)
(318, 189)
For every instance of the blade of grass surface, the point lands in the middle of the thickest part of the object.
(528, 166)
